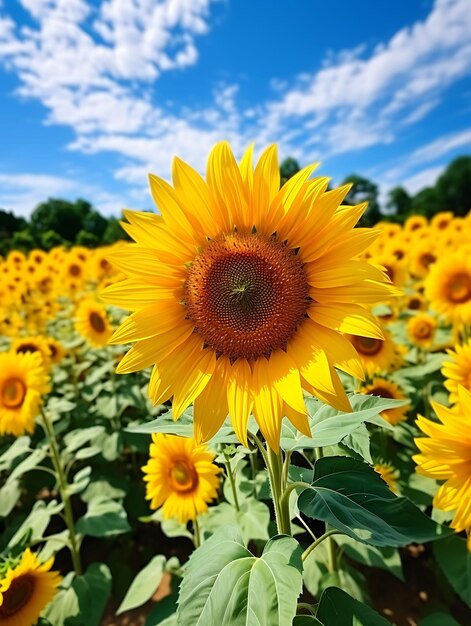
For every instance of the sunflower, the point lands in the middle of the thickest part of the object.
(445, 455)
(26, 589)
(239, 290)
(441, 221)
(56, 350)
(92, 322)
(458, 371)
(32, 344)
(422, 257)
(415, 302)
(384, 388)
(376, 355)
(389, 474)
(448, 286)
(415, 222)
(181, 476)
(421, 329)
(395, 269)
(23, 380)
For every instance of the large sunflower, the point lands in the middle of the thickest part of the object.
(23, 380)
(181, 476)
(26, 589)
(92, 322)
(458, 371)
(445, 455)
(448, 286)
(240, 291)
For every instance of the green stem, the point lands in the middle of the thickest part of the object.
(314, 545)
(275, 472)
(307, 607)
(284, 500)
(62, 483)
(196, 533)
(231, 477)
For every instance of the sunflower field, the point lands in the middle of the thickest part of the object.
(254, 413)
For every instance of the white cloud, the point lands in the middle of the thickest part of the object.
(425, 178)
(94, 66)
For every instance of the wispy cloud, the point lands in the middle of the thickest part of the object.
(94, 67)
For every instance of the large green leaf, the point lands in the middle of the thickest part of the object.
(439, 619)
(143, 585)
(329, 426)
(225, 584)
(337, 608)
(9, 495)
(386, 558)
(454, 560)
(253, 518)
(351, 496)
(36, 523)
(92, 590)
(103, 518)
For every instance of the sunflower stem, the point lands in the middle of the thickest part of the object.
(314, 545)
(275, 472)
(63, 489)
(196, 533)
(232, 480)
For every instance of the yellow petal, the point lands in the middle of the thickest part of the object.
(239, 399)
(210, 407)
(285, 377)
(268, 404)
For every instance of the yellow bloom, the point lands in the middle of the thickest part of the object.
(421, 329)
(414, 223)
(239, 290)
(38, 345)
(26, 589)
(441, 220)
(422, 257)
(56, 350)
(92, 322)
(448, 286)
(181, 476)
(386, 389)
(445, 455)
(23, 380)
(458, 371)
(376, 355)
(389, 474)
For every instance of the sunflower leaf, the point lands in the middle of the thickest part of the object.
(224, 583)
(351, 496)
(337, 608)
(454, 560)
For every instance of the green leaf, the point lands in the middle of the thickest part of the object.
(36, 522)
(225, 584)
(329, 426)
(454, 560)
(64, 605)
(306, 620)
(28, 464)
(143, 585)
(9, 495)
(439, 619)
(433, 363)
(164, 611)
(75, 439)
(351, 496)
(252, 518)
(18, 447)
(92, 590)
(386, 558)
(103, 519)
(337, 608)
(359, 442)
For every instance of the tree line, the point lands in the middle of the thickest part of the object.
(62, 222)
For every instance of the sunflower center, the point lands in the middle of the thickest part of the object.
(97, 322)
(381, 392)
(183, 477)
(27, 347)
(246, 295)
(423, 330)
(17, 596)
(415, 303)
(427, 259)
(13, 393)
(367, 345)
(74, 270)
(459, 288)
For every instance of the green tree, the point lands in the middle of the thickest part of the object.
(288, 168)
(23, 240)
(61, 216)
(9, 224)
(454, 187)
(399, 201)
(50, 239)
(427, 202)
(87, 239)
(364, 190)
(113, 232)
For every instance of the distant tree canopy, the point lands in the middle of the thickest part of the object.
(58, 222)
(61, 222)
(451, 192)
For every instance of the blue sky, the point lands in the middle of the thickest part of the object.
(97, 93)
